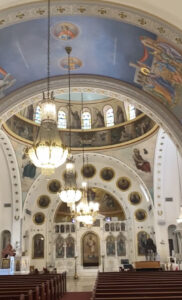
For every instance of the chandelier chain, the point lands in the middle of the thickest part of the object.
(69, 103)
(48, 46)
(83, 148)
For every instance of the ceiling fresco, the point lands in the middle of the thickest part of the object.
(100, 46)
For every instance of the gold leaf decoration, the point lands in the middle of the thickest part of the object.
(142, 21)
(122, 15)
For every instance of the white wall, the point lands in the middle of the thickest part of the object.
(166, 185)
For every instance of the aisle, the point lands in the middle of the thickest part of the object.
(77, 296)
(82, 284)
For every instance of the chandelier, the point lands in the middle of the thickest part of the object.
(70, 193)
(86, 210)
(47, 151)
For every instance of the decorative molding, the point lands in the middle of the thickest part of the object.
(14, 175)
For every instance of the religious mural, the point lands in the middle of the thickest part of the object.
(142, 59)
(140, 162)
(5, 238)
(108, 206)
(6, 81)
(107, 174)
(140, 215)
(59, 247)
(75, 63)
(121, 245)
(110, 246)
(39, 218)
(142, 237)
(104, 137)
(54, 186)
(63, 214)
(135, 198)
(43, 201)
(123, 183)
(88, 171)
(38, 246)
(91, 249)
(70, 247)
(64, 31)
(162, 78)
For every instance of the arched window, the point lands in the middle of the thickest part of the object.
(109, 116)
(132, 112)
(86, 119)
(37, 117)
(62, 122)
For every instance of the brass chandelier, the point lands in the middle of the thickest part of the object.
(47, 151)
(70, 193)
(86, 210)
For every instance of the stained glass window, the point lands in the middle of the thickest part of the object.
(109, 117)
(86, 120)
(132, 112)
(62, 123)
(37, 117)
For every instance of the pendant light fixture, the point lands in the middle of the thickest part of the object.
(47, 151)
(86, 210)
(70, 193)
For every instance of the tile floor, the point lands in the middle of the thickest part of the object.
(82, 284)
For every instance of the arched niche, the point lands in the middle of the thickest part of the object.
(90, 249)
(5, 238)
(38, 246)
(108, 206)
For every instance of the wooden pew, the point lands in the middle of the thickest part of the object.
(130, 286)
(43, 287)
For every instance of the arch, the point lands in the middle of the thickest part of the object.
(108, 115)
(38, 246)
(86, 119)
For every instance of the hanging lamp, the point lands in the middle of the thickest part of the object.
(47, 151)
(70, 193)
(86, 210)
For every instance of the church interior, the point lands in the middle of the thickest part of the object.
(111, 74)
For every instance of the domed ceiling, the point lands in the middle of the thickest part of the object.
(108, 41)
(100, 46)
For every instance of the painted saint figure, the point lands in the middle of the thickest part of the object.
(91, 243)
(140, 163)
